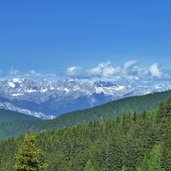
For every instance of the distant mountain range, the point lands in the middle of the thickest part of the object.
(49, 99)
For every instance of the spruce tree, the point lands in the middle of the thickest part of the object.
(154, 162)
(29, 157)
(89, 166)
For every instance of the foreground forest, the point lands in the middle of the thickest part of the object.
(132, 142)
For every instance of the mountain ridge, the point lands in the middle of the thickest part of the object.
(49, 99)
(11, 116)
(137, 104)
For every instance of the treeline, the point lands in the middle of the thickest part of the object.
(128, 143)
(101, 113)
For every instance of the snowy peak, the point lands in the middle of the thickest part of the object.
(47, 99)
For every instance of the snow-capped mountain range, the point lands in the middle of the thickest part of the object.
(49, 99)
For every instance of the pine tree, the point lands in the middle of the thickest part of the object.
(29, 157)
(154, 163)
(89, 166)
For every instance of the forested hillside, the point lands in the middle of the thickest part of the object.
(10, 116)
(128, 143)
(138, 104)
(14, 123)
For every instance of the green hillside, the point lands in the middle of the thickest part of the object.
(128, 143)
(15, 123)
(104, 112)
(6, 115)
(113, 109)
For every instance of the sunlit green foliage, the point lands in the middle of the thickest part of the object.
(29, 157)
(89, 166)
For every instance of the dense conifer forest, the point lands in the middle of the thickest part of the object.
(131, 142)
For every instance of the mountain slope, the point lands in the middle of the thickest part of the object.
(137, 142)
(11, 116)
(116, 108)
(15, 123)
(104, 112)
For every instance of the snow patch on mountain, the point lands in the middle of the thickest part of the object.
(11, 84)
(9, 106)
(46, 99)
(16, 94)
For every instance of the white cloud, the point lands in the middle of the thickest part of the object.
(103, 70)
(130, 71)
(13, 72)
(154, 71)
(73, 70)
(34, 73)
(108, 71)
(129, 64)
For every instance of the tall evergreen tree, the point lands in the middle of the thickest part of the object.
(89, 166)
(29, 157)
(154, 162)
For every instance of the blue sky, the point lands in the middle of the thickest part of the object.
(50, 36)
